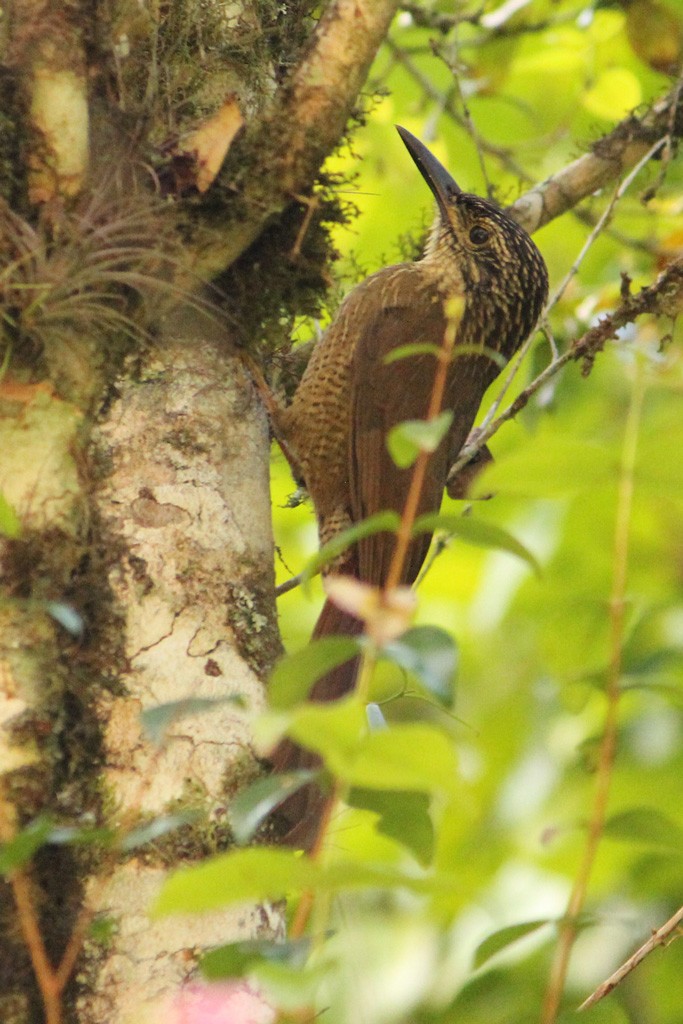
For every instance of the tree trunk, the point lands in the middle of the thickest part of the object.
(137, 562)
(184, 508)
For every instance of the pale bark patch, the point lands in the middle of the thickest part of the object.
(152, 958)
(186, 501)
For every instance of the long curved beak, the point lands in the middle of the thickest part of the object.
(434, 173)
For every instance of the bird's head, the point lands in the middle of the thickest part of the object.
(499, 265)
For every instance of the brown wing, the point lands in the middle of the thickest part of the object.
(383, 396)
(387, 394)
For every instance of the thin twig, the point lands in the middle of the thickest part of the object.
(573, 270)
(602, 221)
(509, 378)
(668, 153)
(658, 938)
(404, 533)
(50, 990)
(647, 245)
(468, 122)
(29, 924)
(609, 157)
(608, 744)
(501, 154)
(291, 584)
(445, 22)
(441, 22)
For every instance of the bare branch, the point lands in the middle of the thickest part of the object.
(609, 158)
(309, 113)
(658, 938)
(327, 82)
(603, 220)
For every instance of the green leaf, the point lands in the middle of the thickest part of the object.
(331, 729)
(254, 803)
(294, 674)
(406, 440)
(258, 873)
(157, 721)
(644, 825)
(393, 758)
(463, 351)
(20, 849)
(430, 654)
(357, 875)
(381, 522)
(157, 828)
(293, 987)
(262, 873)
(68, 835)
(10, 526)
(231, 961)
(409, 756)
(505, 937)
(417, 348)
(475, 531)
(403, 816)
(235, 959)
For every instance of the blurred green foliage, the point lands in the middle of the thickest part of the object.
(511, 765)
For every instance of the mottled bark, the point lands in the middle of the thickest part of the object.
(185, 503)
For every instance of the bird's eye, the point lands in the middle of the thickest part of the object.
(479, 235)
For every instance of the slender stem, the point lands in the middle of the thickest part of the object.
(446, 104)
(622, 187)
(75, 943)
(608, 744)
(306, 903)
(27, 916)
(405, 529)
(661, 937)
(339, 794)
(50, 990)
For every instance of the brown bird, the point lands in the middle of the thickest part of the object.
(349, 398)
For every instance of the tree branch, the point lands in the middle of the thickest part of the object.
(607, 751)
(658, 938)
(305, 121)
(308, 115)
(609, 158)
